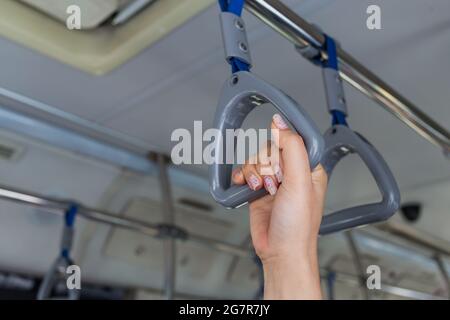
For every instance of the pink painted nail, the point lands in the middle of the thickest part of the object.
(279, 122)
(254, 182)
(270, 185)
(237, 174)
(278, 172)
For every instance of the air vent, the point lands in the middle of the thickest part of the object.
(93, 12)
(108, 42)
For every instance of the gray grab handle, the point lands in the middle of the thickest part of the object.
(56, 273)
(339, 142)
(240, 95)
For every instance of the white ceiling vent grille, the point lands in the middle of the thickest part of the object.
(93, 12)
(107, 40)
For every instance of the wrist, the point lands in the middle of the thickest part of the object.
(285, 256)
(292, 278)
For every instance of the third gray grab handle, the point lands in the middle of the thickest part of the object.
(339, 142)
(240, 95)
(52, 277)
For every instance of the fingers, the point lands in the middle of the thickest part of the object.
(287, 158)
(278, 172)
(276, 163)
(258, 172)
(320, 176)
(270, 184)
(254, 180)
(265, 169)
(238, 176)
(293, 151)
(319, 179)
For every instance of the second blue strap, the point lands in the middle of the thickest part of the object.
(235, 7)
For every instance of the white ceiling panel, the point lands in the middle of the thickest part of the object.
(93, 97)
(413, 71)
(95, 12)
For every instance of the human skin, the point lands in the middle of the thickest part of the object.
(284, 225)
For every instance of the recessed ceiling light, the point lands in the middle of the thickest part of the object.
(94, 12)
(103, 46)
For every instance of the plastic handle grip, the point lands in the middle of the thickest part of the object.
(58, 269)
(237, 100)
(339, 142)
(56, 273)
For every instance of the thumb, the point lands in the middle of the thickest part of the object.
(319, 179)
(293, 151)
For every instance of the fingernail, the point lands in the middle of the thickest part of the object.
(254, 182)
(278, 172)
(270, 185)
(237, 174)
(279, 122)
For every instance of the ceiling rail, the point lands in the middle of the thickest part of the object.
(59, 206)
(303, 34)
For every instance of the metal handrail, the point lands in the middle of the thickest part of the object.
(58, 206)
(303, 34)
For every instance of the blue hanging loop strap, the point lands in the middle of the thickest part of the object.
(67, 238)
(330, 47)
(235, 38)
(341, 141)
(242, 93)
(333, 82)
(59, 266)
(339, 116)
(331, 279)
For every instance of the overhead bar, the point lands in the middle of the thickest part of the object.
(58, 206)
(352, 281)
(410, 234)
(443, 271)
(303, 34)
(169, 219)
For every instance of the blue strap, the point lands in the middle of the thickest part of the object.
(330, 46)
(331, 279)
(235, 7)
(65, 253)
(338, 117)
(69, 219)
(70, 215)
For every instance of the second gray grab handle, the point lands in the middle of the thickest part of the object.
(240, 95)
(339, 142)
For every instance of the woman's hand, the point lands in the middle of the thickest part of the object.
(285, 224)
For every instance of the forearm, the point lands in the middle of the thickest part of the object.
(294, 279)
